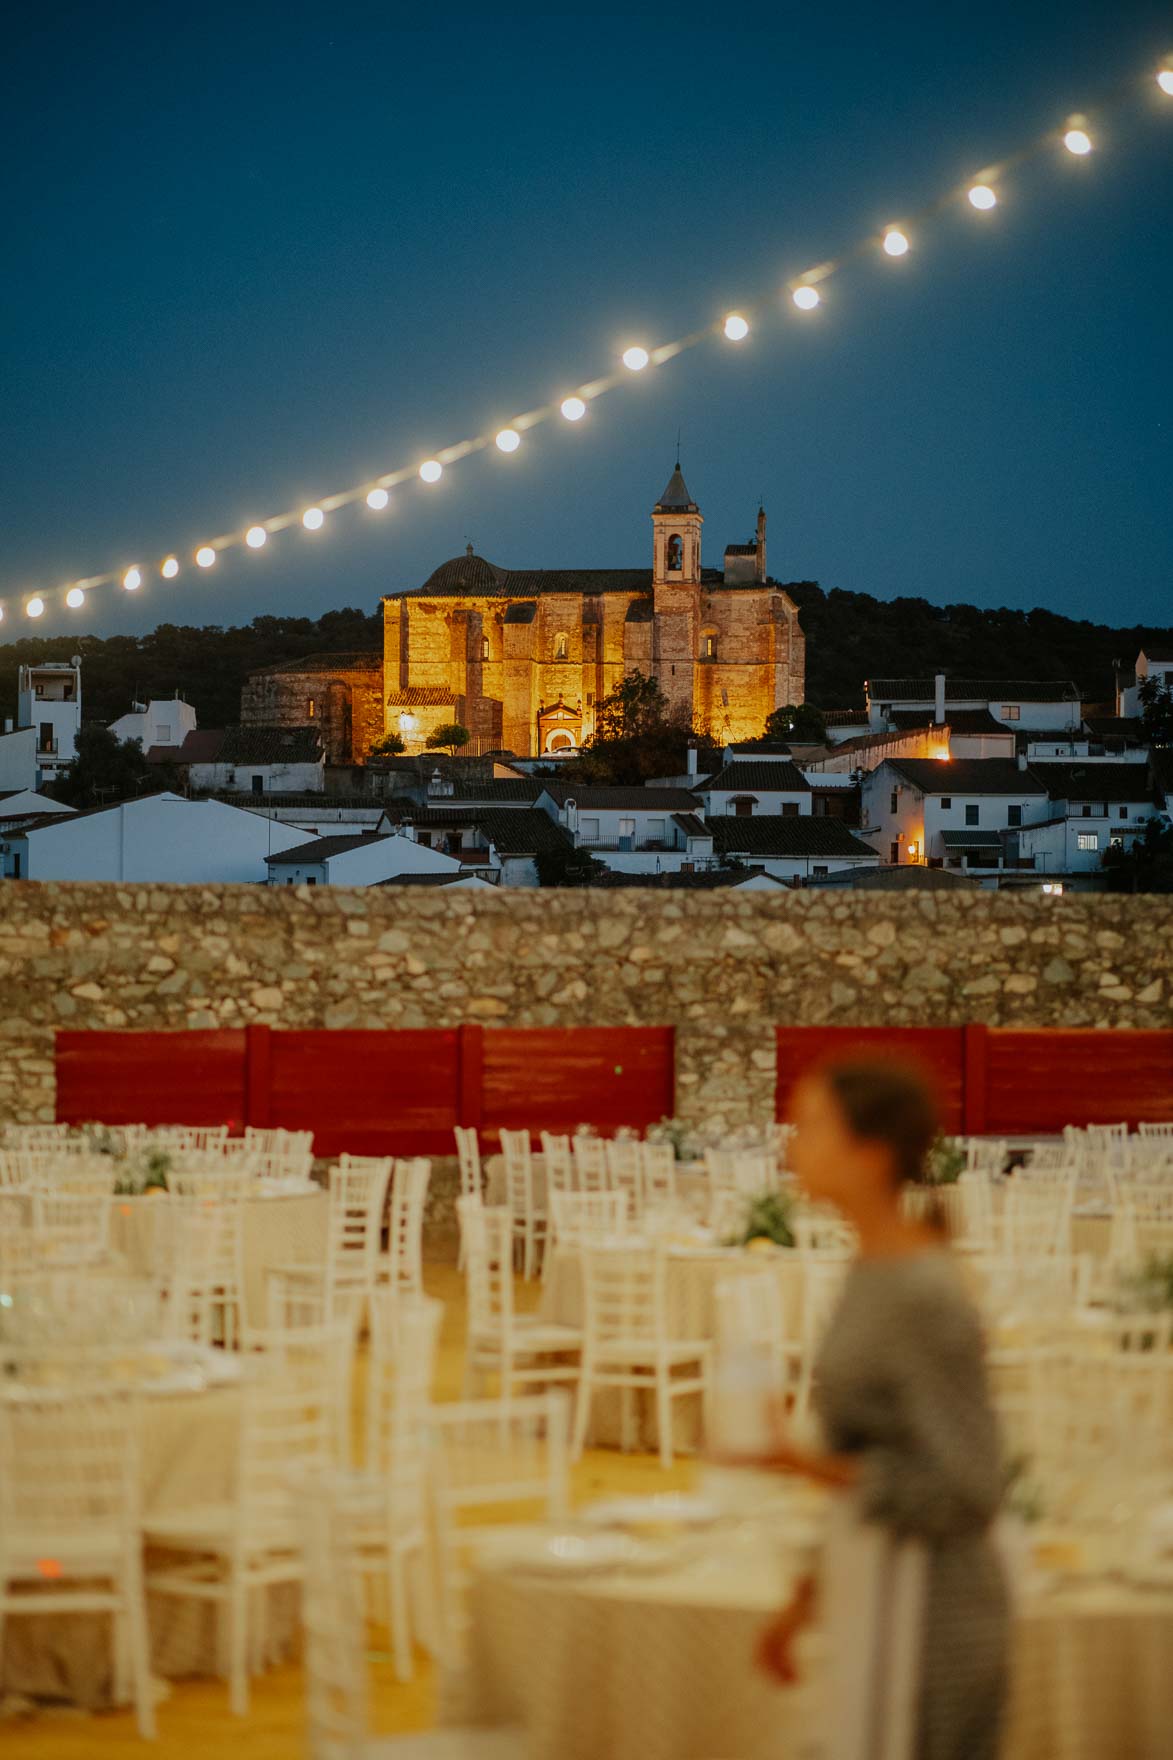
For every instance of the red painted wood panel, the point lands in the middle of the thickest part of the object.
(372, 1093)
(554, 1078)
(151, 1078)
(935, 1050)
(1039, 1079)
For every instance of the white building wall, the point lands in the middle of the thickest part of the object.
(18, 759)
(275, 778)
(161, 837)
(164, 722)
(767, 802)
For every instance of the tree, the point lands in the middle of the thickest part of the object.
(447, 737)
(636, 706)
(566, 867)
(636, 736)
(804, 724)
(1156, 705)
(389, 746)
(1147, 866)
(108, 769)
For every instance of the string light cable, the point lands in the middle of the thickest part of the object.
(804, 293)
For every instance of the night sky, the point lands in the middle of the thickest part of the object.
(258, 253)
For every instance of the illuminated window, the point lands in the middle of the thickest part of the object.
(709, 647)
(1010, 712)
(484, 647)
(1087, 840)
(311, 709)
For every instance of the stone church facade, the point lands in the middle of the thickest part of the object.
(521, 657)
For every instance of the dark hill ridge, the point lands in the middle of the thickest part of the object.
(850, 636)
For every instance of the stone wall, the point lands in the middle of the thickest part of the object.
(723, 968)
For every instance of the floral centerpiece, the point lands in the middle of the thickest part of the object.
(768, 1216)
(143, 1173)
(944, 1163)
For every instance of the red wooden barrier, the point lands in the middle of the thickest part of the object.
(554, 1078)
(152, 1078)
(936, 1050)
(1019, 1081)
(371, 1092)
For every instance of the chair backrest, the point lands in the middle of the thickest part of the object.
(53, 1168)
(590, 1164)
(228, 1183)
(985, 1155)
(401, 1369)
(750, 1313)
(69, 1470)
(488, 1248)
(77, 1224)
(288, 1423)
(334, 1518)
(1027, 1291)
(288, 1152)
(175, 1137)
(1142, 1224)
(1036, 1215)
(492, 1452)
(358, 1193)
(625, 1170)
(1159, 1130)
(658, 1173)
(976, 1204)
(559, 1161)
(519, 1173)
(624, 1290)
(468, 1152)
(409, 1196)
(207, 1263)
(577, 1217)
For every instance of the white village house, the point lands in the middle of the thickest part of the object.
(162, 723)
(948, 811)
(747, 787)
(264, 760)
(156, 837)
(357, 859)
(792, 848)
(636, 830)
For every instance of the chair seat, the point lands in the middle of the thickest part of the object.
(209, 1527)
(304, 1268)
(532, 1334)
(645, 1350)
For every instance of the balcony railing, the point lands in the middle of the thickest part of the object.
(47, 748)
(633, 843)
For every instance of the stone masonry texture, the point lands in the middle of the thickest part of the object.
(724, 969)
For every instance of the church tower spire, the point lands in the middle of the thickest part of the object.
(676, 535)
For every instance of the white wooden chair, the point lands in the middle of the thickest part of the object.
(627, 1343)
(522, 1350)
(402, 1266)
(70, 1520)
(401, 1367)
(529, 1221)
(206, 1268)
(1036, 1214)
(279, 1154)
(625, 1171)
(1142, 1223)
(750, 1314)
(342, 1283)
(558, 1158)
(175, 1136)
(468, 1155)
(658, 1173)
(251, 1541)
(578, 1217)
(74, 1226)
(590, 1164)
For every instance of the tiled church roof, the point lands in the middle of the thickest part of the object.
(472, 576)
(353, 662)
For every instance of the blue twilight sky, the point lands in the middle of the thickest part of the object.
(257, 253)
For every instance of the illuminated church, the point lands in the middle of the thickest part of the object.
(521, 657)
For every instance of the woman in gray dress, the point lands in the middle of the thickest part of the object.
(901, 1394)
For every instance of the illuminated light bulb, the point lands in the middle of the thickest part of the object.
(635, 359)
(75, 598)
(205, 556)
(896, 242)
(132, 580)
(378, 499)
(312, 519)
(1165, 81)
(256, 537)
(806, 298)
(35, 607)
(431, 470)
(170, 568)
(736, 328)
(508, 440)
(573, 408)
(982, 196)
(1, 614)
(1077, 141)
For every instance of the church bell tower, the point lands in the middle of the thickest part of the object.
(676, 536)
(676, 585)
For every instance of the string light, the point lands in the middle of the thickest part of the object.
(1, 614)
(75, 598)
(983, 195)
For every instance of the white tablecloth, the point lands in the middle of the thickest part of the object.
(660, 1667)
(690, 1187)
(279, 1229)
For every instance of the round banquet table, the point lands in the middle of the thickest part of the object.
(187, 1457)
(277, 1228)
(643, 1666)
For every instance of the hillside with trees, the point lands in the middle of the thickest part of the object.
(849, 636)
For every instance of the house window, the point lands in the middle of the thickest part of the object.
(675, 553)
(16, 866)
(1087, 840)
(741, 806)
(484, 647)
(1086, 810)
(971, 815)
(310, 880)
(588, 828)
(311, 709)
(790, 809)
(1014, 815)
(893, 804)
(1103, 813)
(656, 829)
(1122, 813)
(946, 802)
(163, 733)
(709, 647)
(562, 646)
(590, 699)
(819, 869)
(1010, 711)
(258, 785)
(627, 827)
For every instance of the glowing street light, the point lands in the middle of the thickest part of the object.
(508, 440)
(573, 408)
(312, 519)
(806, 298)
(75, 598)
(170, 568)
(1077, 141)
(205, 556)
(35, 607)
(378, 499)
(635, 359)
(256, 537)
(896, 242)
(132, 580)
(736, 328)
(431, 470)
(983, 197)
